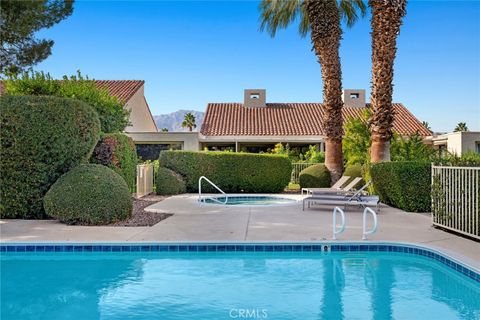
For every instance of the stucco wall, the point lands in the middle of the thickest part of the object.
(140, 117)
(458, 142)
(468, 141)
(189, 140)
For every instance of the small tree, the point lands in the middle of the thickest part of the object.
(461, 127)
(164, 129)
(356, 141)
(313, 155)
(189, 121)
(410, 148)
(20, 20)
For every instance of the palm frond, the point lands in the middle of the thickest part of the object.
(278, 14)
(349, 10)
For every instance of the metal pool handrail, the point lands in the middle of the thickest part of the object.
(342, 227)
(375, 223)
(215, 186)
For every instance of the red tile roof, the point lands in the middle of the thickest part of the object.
(288, 119)
(123, 90)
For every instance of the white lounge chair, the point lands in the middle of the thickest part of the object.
(358, 198)
(337, 186)
(333, 190)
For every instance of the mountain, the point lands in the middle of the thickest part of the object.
(173, 121)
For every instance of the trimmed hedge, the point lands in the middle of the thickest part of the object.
(354, 171)
(169, 182)
(316, 176)
(232, 172)
(89, 194)
(41, 138)
(404, 185)
(111, 112)
(117, 151)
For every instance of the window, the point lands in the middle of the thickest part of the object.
(477, 146)
(254, 95)
(354, 95)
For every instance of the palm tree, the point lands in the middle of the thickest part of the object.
(386, 21)
(426, 125)
(189, 121)
(461, 127)
(322, 19)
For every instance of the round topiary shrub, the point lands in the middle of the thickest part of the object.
(354, 171)
(41, 138)
(316, 176)
(89, 194)
(117, 151)
(169, 182)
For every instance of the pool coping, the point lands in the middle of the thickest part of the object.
(236, 246)
(296, 198)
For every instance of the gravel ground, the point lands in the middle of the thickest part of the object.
(140, 217)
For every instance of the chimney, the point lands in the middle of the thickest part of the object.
(354, 98)
(255, 98)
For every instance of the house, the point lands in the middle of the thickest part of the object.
(131, 94)
(457, 142)
(256, 125)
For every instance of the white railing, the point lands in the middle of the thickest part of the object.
(145, 173)
(342, 226)
(211, 198)
(456, 199)
(297, 167)
(365, 233)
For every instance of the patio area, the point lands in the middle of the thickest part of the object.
(284, 223)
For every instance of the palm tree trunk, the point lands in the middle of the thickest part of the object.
(326, 33)
(386, 21)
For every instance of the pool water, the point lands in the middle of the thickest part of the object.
(250, 200)
(232, 285)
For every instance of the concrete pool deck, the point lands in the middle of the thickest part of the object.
(192, 222)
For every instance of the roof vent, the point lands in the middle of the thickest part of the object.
(255, 98)
(354, 98)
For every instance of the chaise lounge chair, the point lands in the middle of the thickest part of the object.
(358, 198)
(334, 189)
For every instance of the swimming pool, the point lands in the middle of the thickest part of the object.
(249, 200)
(234, 281)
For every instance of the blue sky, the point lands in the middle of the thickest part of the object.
(192, 53)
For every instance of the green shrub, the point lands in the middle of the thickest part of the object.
(117, 151)
(41, 138)
(467, 159)
(89, 194)
(316, 176)
(169, 182)
(357, 139)
(113, 116)
(232, 172)
(411, 148)
(354, 171)
(404, 185)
